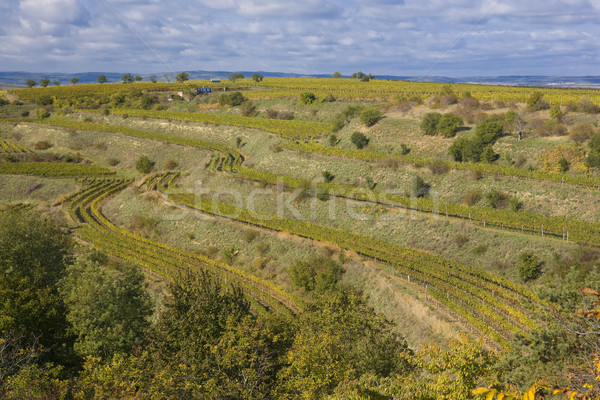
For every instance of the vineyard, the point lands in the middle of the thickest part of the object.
(461, 258)
(162, 259)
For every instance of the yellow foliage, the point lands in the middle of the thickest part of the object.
(574, 154)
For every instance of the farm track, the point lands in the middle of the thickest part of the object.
(162, 259)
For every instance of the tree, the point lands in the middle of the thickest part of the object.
(248, 109)
(107, 306)
(489, 130)
(332, 140)
(359, 75)
(31, 83)
(234, 76)
(563, 165)
(102, 79)
(44, 82)
(448, 124)
(233, 99)
(182, 77)
(488, 155)
(307, 98)
(127, 78)
(257, 77)
(56, 83)
(74, 81)
(144, 165)
(370, 116)
(530, 267)
(138, 78)
(430, 122)
(337, 74)
(359, 139)
(153, 79)
(340, 338)
(34, 253)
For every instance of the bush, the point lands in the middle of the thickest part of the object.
(113, 161)
(404, 149)
(496, 199)
(472, 197)
(332, 140)
(488, 155)
(248, 109)
(448, 124)
(25, 113)
(489, 130)
(430, 123)
(370, 116)
(536, 102)
(327, 176)
(359, 140)
(580, 133)
(232, 99)
(171, 164)
(144, 165)
(42, 113)
(42, 145)
(438, 167)
(530, 267)
(419, 187)
(307, 98)
(249, 235)
(44, 100)
(460, 240)
(587, 106)
(318, 274)
(550, 127)
(514, 204)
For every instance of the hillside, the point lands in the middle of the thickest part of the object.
(333, 238)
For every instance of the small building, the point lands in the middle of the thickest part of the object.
(214, 80)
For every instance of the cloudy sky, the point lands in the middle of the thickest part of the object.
(383, 37)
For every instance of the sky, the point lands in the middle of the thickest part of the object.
(384, 37)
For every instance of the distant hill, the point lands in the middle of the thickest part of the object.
(20, 77)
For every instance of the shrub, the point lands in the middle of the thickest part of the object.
(480, 250)
(307, 98)
(472, 197)
(489, 130)
(581, 132)
(430, 123)
(438, 167)
(404, 149)
(587, 106)
(550, 127)
(329, 98)
(249, 235)
(536, 102)
(42, 145)
(271, 114)
(460, 240)
(338, 124)
(25, 113)
(496, 199)
(488, 155)
(171, 164)
(359, 140)
(563, 165)
(113, 161)
(232, 99)
(448, 124)
(514, 204)
(322, 194)
(318, 274)
(530, 267)
(332, 140)
(144, 165)
(328, 176)
(419, 187)
(248, 109)
(42, 113)
(370, 116)
(44, 100)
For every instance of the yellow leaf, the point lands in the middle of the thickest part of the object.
(589, 291)
(480, 390)
(530, 395)
(491, 395)
(500, 396)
